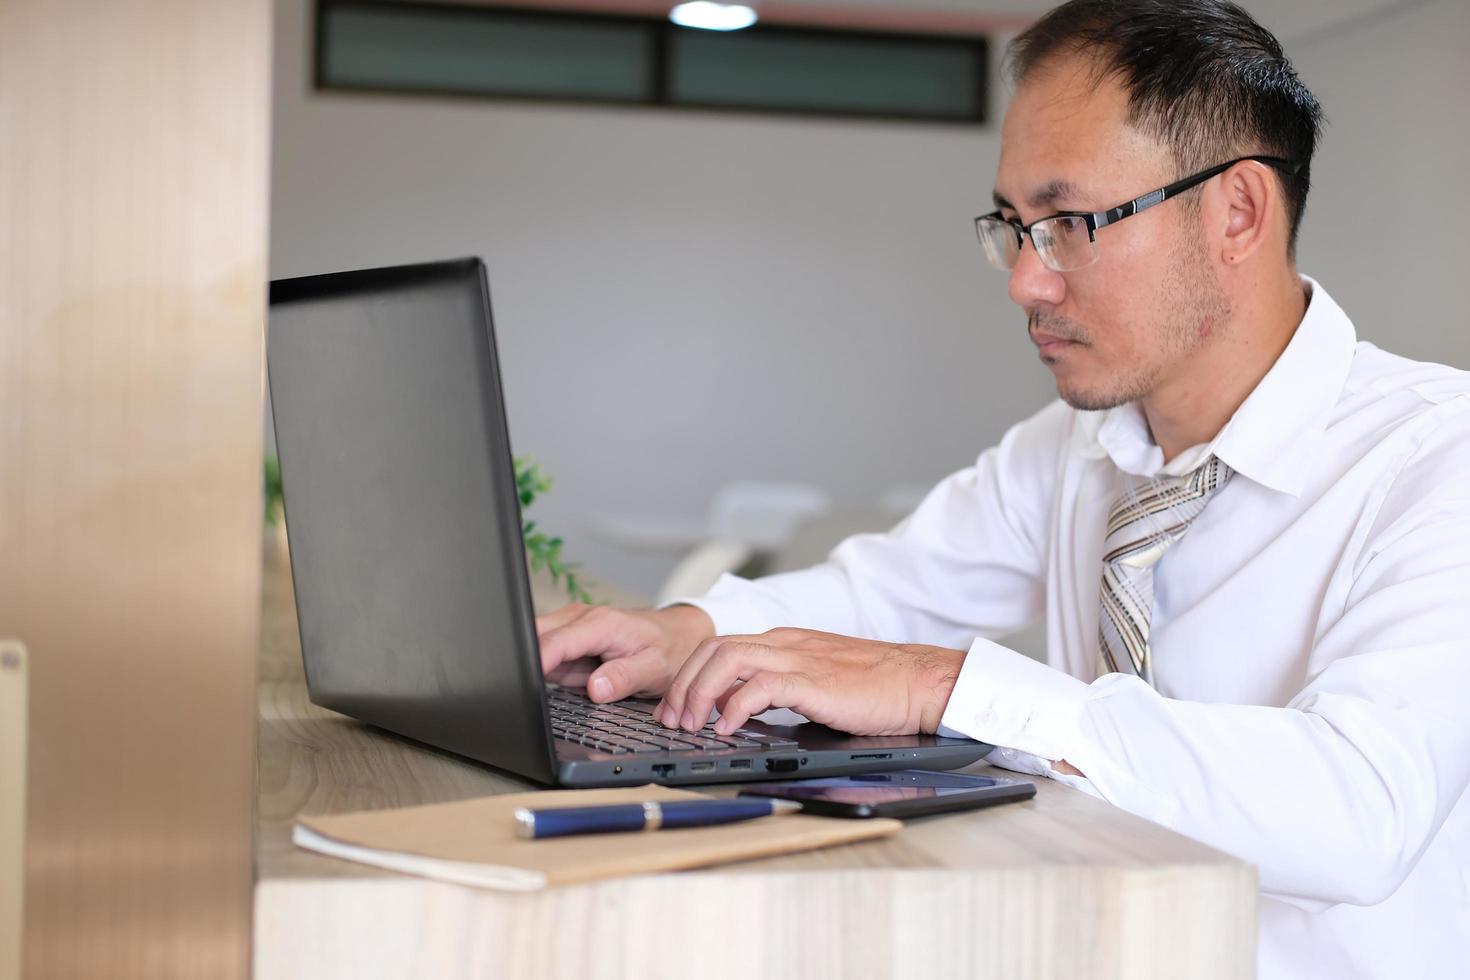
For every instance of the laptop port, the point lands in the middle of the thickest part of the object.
(872, 755)
(739, 763)
(701, 767)
(663, 769)
(782, 765)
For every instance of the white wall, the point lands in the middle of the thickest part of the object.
(1388, 219)
(686, 299)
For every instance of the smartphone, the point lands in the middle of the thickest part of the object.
(901, 793)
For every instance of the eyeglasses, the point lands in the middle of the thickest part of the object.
(1067, 241)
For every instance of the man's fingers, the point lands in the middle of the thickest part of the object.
(624, 677)
(573, 673)
(724, 699)
(667, 712)
(765, 689)
(671, 710)
(597, 632)
(730, 663)
(559, 617)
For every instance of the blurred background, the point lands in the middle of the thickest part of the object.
(779, 327)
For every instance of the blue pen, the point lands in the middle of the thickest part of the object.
(534, 824)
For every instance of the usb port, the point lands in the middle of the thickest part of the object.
(663, 769)
(701, 767)
(739, 763)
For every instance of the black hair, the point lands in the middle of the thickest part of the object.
(1202, 77)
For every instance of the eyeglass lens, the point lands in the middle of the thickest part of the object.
(1063, 243)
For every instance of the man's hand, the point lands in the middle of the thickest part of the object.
(859, 686)
(619, 653)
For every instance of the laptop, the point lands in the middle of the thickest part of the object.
(411, 585)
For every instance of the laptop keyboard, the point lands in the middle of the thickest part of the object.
(629, 729)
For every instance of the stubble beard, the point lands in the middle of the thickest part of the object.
(1189, 297)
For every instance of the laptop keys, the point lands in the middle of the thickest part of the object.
(769, 742)
(739, 740)
(710, 743)
(610, 748)
(630, 745)
(672, 744)
(629, 727)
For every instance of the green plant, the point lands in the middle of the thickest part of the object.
(542, 550)
(272, 491)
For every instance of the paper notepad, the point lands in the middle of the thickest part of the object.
(473, 842)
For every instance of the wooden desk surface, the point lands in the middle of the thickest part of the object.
(1060, 886)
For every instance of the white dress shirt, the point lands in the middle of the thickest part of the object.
(1310, 639)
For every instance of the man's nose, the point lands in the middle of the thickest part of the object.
(1032, 283)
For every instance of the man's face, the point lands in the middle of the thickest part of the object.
(1118, 329)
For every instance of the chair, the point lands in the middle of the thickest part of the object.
(749, 520)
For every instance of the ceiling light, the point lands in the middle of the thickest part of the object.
(709, 16)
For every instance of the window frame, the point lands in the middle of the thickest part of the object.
(658, 66)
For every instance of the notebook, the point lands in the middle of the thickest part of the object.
(473, 842)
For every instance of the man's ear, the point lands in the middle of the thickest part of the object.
(1247, 201)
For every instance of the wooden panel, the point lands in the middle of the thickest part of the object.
(1059, 887)
(13, 714)
(133, 176)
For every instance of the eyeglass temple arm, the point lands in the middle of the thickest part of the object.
(1102, 219)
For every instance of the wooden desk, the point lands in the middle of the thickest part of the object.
(1063, 886)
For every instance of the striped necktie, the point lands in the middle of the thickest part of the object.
(1148, 520)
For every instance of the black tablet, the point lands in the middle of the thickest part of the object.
(902, 793)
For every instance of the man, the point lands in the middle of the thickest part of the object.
(1248, 533)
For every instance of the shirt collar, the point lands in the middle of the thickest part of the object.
(1271, 439)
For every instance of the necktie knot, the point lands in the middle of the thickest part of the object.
(1153, 515)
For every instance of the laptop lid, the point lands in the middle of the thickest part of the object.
(411, 587)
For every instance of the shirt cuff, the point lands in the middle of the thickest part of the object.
(732, 613)
(1008, 699)
(1017, 761)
